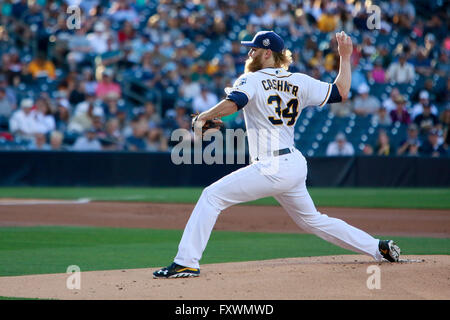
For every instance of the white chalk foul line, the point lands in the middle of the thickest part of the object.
(26, 202)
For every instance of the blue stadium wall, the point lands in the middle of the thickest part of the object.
(25, 168)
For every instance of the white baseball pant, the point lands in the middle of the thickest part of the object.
(287, 185)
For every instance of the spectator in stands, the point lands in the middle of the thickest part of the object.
(431, 50)
(19, 8)
(189, 89)
(383, 146)
(177, 119)
(39, 143)
(404, 13)
(34, 16)
(9, 91)
(424, 100)
(151, 116)
(426, 120)
(113, 139)
(84, 113)
(445, 120)
(89, 82)
(56, 141)
(382, 117)
(389, 103)
(365, 104)
(126, 34)
(199, 72)
(345, 21)
(137, 141)
(156, 141)
(44, 116)
(378, 74)
(309, 50)
(139, 47)
(442, 67)
(432, 147)
(367, 150)
(385, 55)
(205, 100)
(107, 86)
(79, 47)
(77, 94)
(6, 108)
(401, 71)
(443, 95)
(327, 21)
(343, 109)
(368, 50)
(261, 18)
(88, 142)
(428, 86)
(62, 115)
(97, 126)
(99, 38)
(113, 54)
(110, 105)
(23, 122)
(41, 67)
(400, 114)
(282, 17)
(410, 146)
(15, 68)
(340, 146)
(123, 11)
(422, 65)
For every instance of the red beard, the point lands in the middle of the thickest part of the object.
(253, 64)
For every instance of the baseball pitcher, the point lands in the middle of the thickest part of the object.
(272, 99)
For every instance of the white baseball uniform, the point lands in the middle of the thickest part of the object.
(275, 100)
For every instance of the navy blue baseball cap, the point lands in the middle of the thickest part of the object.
(266, 40)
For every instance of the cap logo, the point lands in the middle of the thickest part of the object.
(266, 42)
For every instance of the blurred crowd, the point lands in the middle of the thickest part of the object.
(135, 70)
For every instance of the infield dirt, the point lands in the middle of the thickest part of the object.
(329, 277)
(399, 222)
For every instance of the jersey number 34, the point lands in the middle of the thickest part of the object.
(290, 112)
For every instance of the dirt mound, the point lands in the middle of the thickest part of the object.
(330, 277)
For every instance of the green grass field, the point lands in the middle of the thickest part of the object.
(35, 250)
(13, 298)
(333, 197)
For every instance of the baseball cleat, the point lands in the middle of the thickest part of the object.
(389, 250)
(176, 271)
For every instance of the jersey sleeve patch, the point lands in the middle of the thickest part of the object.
(243, 84)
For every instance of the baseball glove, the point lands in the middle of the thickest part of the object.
(214, 124)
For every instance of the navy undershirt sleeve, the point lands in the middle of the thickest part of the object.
(239, 98)
(335, 96)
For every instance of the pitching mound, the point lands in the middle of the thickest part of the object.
(330, 277)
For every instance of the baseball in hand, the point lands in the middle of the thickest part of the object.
(345, 46)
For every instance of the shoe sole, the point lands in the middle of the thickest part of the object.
(178, 275)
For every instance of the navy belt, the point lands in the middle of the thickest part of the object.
(280, 152)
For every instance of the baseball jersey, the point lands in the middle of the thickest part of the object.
(276, 98)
